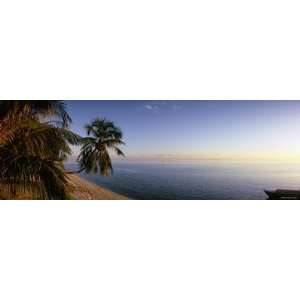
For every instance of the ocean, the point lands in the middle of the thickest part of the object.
(203, 180)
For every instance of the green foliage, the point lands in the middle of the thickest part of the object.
(19, 109)
(33, 145)
(35, 140)
(103, 136)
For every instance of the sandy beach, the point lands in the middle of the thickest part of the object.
(79, 189)
(82, 189)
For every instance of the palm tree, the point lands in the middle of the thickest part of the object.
(19, 114)
(103, 136)
(34, 142)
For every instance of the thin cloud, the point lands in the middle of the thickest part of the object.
(151, 107)
(161, 105)
(148, 107)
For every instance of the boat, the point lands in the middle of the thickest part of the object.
(283, 194)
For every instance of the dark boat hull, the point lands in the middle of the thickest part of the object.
(283, 194)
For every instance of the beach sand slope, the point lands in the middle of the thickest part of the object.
(82, 189)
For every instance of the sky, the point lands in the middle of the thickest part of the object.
(266, 130)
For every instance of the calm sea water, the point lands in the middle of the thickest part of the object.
(198, 179)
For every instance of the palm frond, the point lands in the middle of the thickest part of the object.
(94, 155)
(42, 178)
(118, 151)
(34, 142)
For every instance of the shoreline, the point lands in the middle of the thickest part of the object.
(78, 189)
(82, 189)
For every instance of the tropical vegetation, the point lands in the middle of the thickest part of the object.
(103, 136)
(35, 139)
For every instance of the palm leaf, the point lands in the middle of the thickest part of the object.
(94, 154)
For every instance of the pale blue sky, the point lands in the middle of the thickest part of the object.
(199, 129)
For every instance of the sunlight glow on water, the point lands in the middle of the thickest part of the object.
(198, 179)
